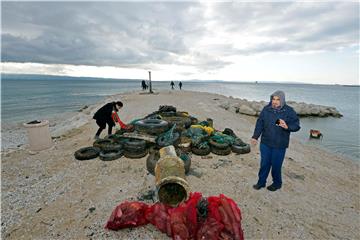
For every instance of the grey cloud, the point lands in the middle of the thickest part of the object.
(136, 34)
(96, 33)
(304, 26)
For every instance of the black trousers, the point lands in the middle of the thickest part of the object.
(102, 126)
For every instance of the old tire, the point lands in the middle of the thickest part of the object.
(229, 132)
(151, 126)
(218, 145)
(136, 143)
(87, 153)
(137, 154)
(241, 149)
(111, 155)
(201, 151)
(181, 122)
(117, 138)
(221, 152)
(107, 145)
(194, 120)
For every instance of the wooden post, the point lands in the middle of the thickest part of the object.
(150, 88)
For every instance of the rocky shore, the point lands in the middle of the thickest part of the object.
(253, 108)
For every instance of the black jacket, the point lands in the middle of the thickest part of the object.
(104, 113)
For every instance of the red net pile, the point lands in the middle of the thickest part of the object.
(215, 217)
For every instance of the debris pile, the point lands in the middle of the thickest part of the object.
(162, 128)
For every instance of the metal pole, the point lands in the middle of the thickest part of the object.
(150, 88)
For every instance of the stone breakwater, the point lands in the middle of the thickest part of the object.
(253, 108)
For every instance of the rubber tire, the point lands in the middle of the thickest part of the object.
(107, 145)
(185, 149)
(112, 155)
(133, 142)
(229, 132)
(201, 151)
(184, 122)
(168, 114)
(194, 120)
(151, 126)
(217, 145)
(114, 137)
(140, 154)
(174, 141)
(221, 152)
(241, 149)
(87, 153)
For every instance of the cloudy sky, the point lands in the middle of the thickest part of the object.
(309, 42)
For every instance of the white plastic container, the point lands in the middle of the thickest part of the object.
(38, 135)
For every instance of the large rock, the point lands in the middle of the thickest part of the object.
(253, 108)
(245, 109)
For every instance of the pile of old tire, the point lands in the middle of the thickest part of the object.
(201, 149)
(87, 153)
(238, 146)
(110, 149)
(135, 148)
(219, 148)
(151, 126)
(154, 156)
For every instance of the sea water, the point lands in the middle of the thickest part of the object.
(29, 97)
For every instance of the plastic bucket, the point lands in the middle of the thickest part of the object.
(172, 188)
(38, 135)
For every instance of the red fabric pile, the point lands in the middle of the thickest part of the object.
(222, 220)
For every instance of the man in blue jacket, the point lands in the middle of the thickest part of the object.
(274, 124)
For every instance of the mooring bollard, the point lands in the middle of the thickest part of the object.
(171, 186)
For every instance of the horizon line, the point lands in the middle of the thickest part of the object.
(186, 80)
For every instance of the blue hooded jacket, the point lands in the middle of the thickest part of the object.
(271, 134)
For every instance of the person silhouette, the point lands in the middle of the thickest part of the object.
(180, 85)
(143, 85)
(172, 84)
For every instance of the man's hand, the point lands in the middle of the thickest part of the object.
(283, 124)
(254, 141)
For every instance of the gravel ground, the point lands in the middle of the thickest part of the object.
(50, 195)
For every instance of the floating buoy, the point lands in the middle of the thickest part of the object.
(315, 134)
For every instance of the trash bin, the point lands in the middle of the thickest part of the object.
(38, 135)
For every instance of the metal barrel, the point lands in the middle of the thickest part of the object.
(172, 188)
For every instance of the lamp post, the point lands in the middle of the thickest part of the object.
(150, 88)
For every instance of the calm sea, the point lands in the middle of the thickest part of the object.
(29, 97)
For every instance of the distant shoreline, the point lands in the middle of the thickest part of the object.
(44, 76)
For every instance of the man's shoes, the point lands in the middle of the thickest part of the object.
(272, 188)
(257, 186)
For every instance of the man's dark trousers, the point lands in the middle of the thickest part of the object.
(271, 158)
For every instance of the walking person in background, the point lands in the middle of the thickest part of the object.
(172, 84)
(143, 85)
(180, 85)
(104, 115)
(275, 123)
